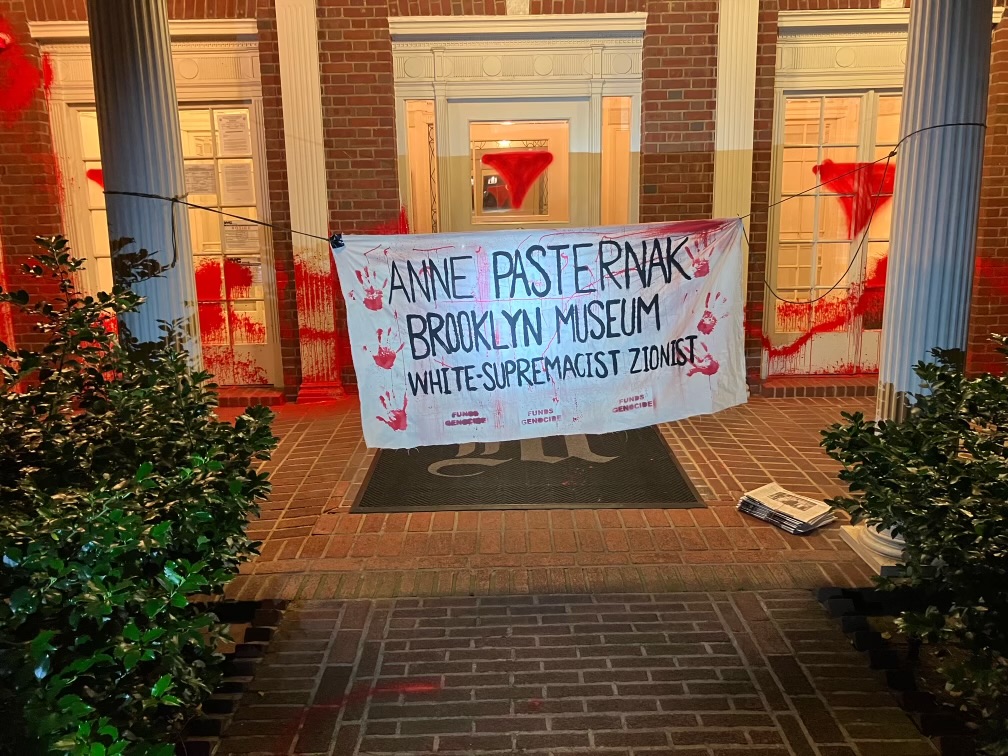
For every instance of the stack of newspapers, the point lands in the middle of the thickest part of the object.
(795, 514)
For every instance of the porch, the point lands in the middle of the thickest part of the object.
(314, 548)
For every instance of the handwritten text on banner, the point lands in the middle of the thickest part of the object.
(506, 335)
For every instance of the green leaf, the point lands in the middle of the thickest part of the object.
(97, 749)
(163, 683)
(131, 632)
(42, 669)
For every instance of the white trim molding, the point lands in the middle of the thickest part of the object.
(460, 28)
(48, 32)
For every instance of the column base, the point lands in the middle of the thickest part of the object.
(320, 392)
(878, 551)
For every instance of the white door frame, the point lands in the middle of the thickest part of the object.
(216, 63)
(519, 59)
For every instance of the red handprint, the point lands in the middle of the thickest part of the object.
(372, 295)
(396, 419)
(700, 260)
(708, 320)
(385, 357)
(706, 365)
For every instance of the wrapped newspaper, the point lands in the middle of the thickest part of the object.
(795, 514)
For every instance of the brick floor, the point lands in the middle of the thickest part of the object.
(741, 674)
(314, 548)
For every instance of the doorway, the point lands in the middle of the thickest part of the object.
(830, 243)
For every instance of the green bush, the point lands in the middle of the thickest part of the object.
(121, 496)
(939, 479)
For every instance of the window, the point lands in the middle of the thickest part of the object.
(832, 140)
(228, 254)
(519, 171)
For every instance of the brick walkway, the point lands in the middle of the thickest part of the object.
(742, 674)
(313, 547)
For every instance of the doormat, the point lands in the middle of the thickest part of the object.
(627, 469)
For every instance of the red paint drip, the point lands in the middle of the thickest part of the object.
(865, 300)
(335, 344)
(96, 175)
(520, 169)
(863, 188)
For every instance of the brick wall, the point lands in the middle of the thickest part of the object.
(29, 184)
(989, 310)
(677, 147)
(757, 297)
(27, 152)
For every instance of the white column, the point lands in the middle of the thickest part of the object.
(935, 206)
(937, 195)
(141, 146)
(738, 27)
(317, 287)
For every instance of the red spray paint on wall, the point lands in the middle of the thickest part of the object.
(20, 78)
(325, 349)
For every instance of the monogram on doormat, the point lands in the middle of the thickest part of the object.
(627, 469)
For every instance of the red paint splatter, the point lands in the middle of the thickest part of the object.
(520, 168)
(706, 365)
(372, 294)
(354, 696)
(699, 258)
(862, 188)
(708, 320)
(385, 357)
(20, 78)
(48, 75)
(96, 175)
(396, 418)
(325, 350)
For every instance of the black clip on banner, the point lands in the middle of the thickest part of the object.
(336, 241)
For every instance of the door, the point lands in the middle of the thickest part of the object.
(831, 242)
(235, 284)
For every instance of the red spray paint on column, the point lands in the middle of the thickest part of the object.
(325, 343)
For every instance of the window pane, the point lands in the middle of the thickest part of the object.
(834, 223)
(799, 169)
(841, 116)
(797, 216)
(888, 119)
(421, 149)
(831, 263)
(197, 134)
(517, 170)
(801, 121)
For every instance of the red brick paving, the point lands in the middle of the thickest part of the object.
(712, 674)
(314, 548)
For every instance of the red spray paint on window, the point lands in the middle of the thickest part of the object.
(862, 188)
(519, 169)
(864, 300)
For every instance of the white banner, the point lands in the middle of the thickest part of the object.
(506, 335)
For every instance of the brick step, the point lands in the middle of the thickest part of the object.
(244, 396)
(789, 387)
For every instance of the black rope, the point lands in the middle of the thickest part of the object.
(871, 215)
(336, 239)
(187, 203)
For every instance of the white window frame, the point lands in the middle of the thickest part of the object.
(216, 64)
